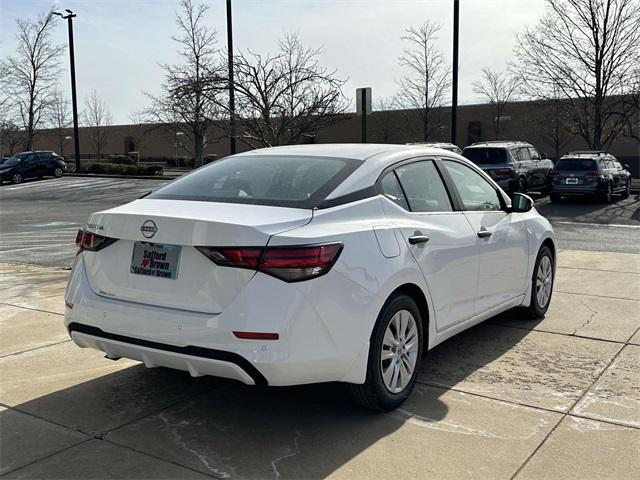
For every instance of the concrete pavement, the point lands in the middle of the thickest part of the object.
(511, 398)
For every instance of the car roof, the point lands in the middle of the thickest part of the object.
(357, 151)
(499, 144)
(589, 155)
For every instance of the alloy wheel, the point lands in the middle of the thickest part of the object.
(57, 172)
(399, 354)
(544, 281)
(17, 178)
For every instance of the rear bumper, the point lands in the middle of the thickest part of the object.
(310, 348)
(578, 189)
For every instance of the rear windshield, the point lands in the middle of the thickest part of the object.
(483, 156)
(575, 164)
(284, 181)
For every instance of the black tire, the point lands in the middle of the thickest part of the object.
(58, 172)
(373, 394)
(555, 197)
(535, 310)
(522, 185)
(627, 190)
(607, 195)
(16, 178)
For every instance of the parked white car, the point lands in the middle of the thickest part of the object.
(305, 264)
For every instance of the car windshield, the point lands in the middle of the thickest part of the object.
(576, 164)
(482, 156)
(287, 181)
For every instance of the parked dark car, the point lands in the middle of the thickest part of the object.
(3, 159)
(444, 145)
(32, 165)
(590, 173)
(515, 166)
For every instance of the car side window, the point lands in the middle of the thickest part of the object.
(534, 154)
(392, 190)
(617, 165)
(476, 193)
(424, 188)
(515, 153)
(524, 154)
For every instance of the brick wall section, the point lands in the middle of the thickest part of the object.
(527, 121)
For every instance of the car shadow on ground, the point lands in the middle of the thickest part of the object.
(591, 209)
(225, 428)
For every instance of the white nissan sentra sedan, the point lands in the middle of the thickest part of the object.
(305, 264)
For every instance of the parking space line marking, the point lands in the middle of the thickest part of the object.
(31, 308)
(34, 248)
(578, 224)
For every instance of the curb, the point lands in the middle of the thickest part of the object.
(104, 175)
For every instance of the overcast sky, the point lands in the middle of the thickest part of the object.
(119, 43)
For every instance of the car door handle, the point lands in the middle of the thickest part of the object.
(483, 233)
(416, 239)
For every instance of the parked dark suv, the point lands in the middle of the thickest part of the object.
(32, 164)
(590, 173)
(515, 166)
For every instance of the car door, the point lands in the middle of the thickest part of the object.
(501, 237)
(540, 167)
(439, 238)
(29, 166)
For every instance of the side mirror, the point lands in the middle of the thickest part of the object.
(521, 203)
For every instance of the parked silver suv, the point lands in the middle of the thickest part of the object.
(515, 166)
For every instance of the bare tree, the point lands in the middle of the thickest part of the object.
(191, 93)
(427, 82)
(59, 118)
(10, 137)
(384, 118)
(588, 50)
(498, 88)
(97, 117)
(285, 98)
(31, 75)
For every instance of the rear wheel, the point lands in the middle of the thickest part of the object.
(396, 347)
(16, 178)
(627, 189)
(607, 196)
(57, 172)
(522, 185)
(541, 284)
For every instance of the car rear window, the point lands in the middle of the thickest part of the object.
(576, 165)
(286, 181)
(483, 156)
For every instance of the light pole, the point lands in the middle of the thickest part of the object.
(74, 98)
(454, 80)
(232, 101)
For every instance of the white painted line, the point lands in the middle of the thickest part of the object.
(584, 224)
(35, 248)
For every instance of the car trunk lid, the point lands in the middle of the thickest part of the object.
(167, 231)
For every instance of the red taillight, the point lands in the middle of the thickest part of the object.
(92, 242)
(257, 335)
(502, 171)
(554, 174)
(291, 264)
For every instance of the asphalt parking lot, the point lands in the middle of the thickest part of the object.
(39, 219)
(510, 398)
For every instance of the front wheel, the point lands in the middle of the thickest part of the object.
(57, 172)
(541, 284)
(395, 350)
(522, 185)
